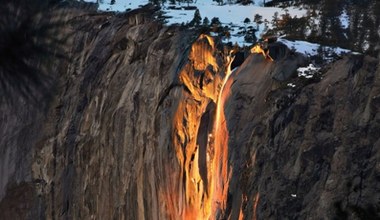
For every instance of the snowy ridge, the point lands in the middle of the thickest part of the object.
(232, 16)
(229, 15)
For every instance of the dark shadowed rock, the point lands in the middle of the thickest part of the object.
(96, 153)
(287, 61)
(316, 151)
(239, 59)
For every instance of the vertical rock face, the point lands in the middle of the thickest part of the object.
(306, 153)
(112, 152)
(133, 133)
(104, 150)
(121, 138)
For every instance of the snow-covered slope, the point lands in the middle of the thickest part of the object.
(311, 49)
(231, 15)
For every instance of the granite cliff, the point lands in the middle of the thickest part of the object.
(148, 122)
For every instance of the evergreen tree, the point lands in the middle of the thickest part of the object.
(206, 22)
(250, 35)
(196, 19)
(246, 22)
(215, 24)
(215, 21)
(188, 2)
(258, 19)
(275, 20)
(331, 28)
(227, 34)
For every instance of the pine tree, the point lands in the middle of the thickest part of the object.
(250, 35)
(215, 23)
(206, 22)
(247, 21)
(228, 35)
(331, 28)
(275, 20)
(188, 2)
(258, 19)
(196, 19)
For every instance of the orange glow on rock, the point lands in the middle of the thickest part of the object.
(192, 199)
(257, 198)
(258, 49)
(188, 196)
(241, 215)
(197, 187)
(219, 170)
(201, 55)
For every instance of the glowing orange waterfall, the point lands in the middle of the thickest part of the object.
(197, 183)
(219, 174)
(193, 196)
(187, 196)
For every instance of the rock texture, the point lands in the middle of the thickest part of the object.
(127, 135)
(104, 149)
(310, 152)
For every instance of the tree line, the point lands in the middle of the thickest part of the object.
(345, 23)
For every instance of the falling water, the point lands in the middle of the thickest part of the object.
(219, 170)
(197, 197)
(188, 194)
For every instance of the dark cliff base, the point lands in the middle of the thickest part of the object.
(107, 149)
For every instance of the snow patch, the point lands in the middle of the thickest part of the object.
(311, 49)
(307, 72)
(344, 19)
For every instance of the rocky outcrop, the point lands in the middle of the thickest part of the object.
(105, 145)
(309, 152)
(130, 132)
